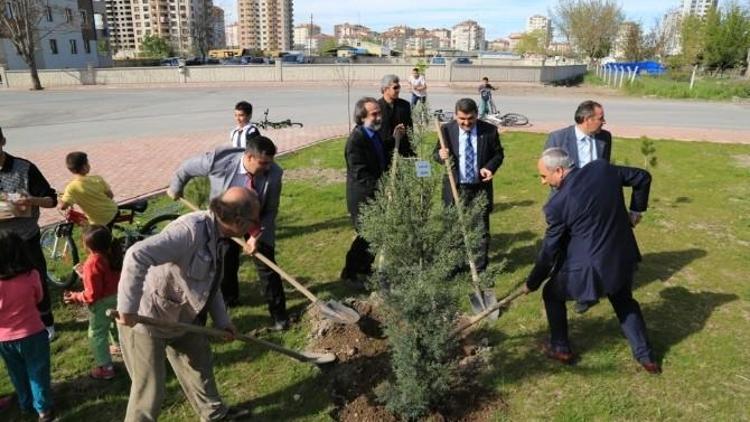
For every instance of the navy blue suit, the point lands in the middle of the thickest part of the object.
(589, 249)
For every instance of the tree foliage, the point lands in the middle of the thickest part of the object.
(727, 37)
(533, 42)
(692, 39)
(155, 47)
(421, 248)
(591, 26)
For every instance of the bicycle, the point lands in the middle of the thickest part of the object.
(505, 120)
(265, 123)
(61, 251)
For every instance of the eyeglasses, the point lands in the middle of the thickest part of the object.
(396, 87)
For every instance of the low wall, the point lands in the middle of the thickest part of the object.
(286, 73)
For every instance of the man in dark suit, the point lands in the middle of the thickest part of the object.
(395, 116)
(252, 167)
(477, 155)
(589, 249)
(585, 141)
(367, 157)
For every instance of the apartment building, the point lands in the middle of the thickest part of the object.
(65, 37)
(698, 7)
(218, 30)
(303, 35)
(119, 24)
(467, 36)
(540, 23)
(266, 24)
(232, 35)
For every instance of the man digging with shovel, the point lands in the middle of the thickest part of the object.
(175, 277)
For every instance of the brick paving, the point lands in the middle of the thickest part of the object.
(142, 167)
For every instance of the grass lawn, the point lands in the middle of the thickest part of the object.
(692, 286)
(705, 88)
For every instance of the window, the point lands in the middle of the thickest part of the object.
(48, 12)
(73, 47)
(84, 19)
(68, 15)
(87, 46)
(53, 46)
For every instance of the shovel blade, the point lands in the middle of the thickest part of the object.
(319, 358)
(490, 298)
(477, 303)
(337, 312)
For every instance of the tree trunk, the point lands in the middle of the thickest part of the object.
(36, 83)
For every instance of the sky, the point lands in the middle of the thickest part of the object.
(498, 17)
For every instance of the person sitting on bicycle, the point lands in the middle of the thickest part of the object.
(91, 193)
(485, 96)
(243, 112)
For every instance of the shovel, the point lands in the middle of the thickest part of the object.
(493, 309)
(331, 309)
(480, 299)
(310, 357)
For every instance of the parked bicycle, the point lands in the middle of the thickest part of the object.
(265, 123)
(505, 120)
(61, 251)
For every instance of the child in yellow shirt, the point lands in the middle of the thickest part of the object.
(91, 193)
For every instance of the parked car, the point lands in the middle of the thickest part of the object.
(463, 60)
(257, 60)
(437, 60)
(170, 61)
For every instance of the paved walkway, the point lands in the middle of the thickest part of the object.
(143, 167)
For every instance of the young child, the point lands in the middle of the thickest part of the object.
(100, 274)
(485, 97)
(91, 193)
(24, 344)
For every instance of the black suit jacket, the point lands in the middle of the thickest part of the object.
(489, 154)
(589, 231)
(363, 169)
(566, 139)
(399, 113)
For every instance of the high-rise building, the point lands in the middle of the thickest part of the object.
(346, 33)
(698, 7)
(119, 17)
(232, 34)
(467, 36)
(266, 24)
(540, 23)
(627, 31)
(218, 30)
(670, 32)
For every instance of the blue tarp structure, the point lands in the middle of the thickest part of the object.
(648, 67)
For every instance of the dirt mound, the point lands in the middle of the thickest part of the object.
(364, 364)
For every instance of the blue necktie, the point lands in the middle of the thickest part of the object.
(469, 171)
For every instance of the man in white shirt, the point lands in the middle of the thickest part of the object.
(585, 141)
(245, 130)
(418, 87)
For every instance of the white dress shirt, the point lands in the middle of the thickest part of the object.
(586, 148)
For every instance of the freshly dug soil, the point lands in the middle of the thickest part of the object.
(364, 363)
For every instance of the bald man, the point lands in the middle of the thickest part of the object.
(175, 276)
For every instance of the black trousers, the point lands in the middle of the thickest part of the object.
(359, 259)
(273, 290)
(36, 256)
(469, 193)
(626, 307)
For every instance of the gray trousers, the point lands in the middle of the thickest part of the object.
(192, 362)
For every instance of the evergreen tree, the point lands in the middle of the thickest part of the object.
(421, 247)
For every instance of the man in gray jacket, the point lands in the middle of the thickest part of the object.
(174, 276)
(252, 167)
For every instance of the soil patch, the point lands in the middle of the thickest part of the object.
(319, 176)
(364, 364)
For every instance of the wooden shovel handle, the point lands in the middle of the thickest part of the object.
(211, 332)
(459, 208)
(484, 314)
(264, 260)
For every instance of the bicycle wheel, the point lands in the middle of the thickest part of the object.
(514, 119)
(61, 254)
(157, 224)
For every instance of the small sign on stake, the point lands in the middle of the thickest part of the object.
(423, 168)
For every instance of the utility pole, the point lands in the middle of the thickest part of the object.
(309, 37)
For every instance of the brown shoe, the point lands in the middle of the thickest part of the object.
(566, 358)
(651, 367)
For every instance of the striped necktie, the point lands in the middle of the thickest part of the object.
(469, 154)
